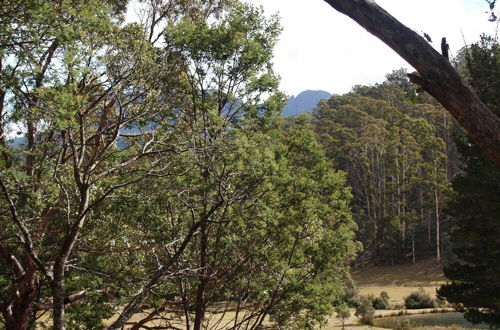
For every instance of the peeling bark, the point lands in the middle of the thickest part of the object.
(436, 75)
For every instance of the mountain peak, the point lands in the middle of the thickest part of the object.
(305, 101)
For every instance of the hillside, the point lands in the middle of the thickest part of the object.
(400, 280)
(423, 273)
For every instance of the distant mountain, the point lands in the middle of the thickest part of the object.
(17, 142)
(304, 102)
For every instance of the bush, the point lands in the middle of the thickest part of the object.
(419, 299)
(351, 296)
(365, 310)
(343, 313)
(381, 302)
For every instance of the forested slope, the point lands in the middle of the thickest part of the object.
(397, 149)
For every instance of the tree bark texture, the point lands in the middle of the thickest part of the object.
(17, 307)
(58, 285)
(200, 294)
(436, 74)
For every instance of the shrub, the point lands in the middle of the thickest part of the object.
(343, 313)
(441, 302)
(381, 302)
(365, 310)
(351, 296)
(419, 299)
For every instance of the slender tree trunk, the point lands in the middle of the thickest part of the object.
(58, 292)
(429, 228)
(200, 294)
(413, 247)
(438, 250)
(57, 285)
(2, 130)
(203, 265)
(185, 303)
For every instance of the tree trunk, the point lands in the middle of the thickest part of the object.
(200, 294)
(438, 251)
(413, 247)
(17, 307)
(57, 285)
(437, 76)
(17, 310)
(429, 226)
(58, 292)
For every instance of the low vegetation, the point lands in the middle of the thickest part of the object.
(365, 310)
(418, 300)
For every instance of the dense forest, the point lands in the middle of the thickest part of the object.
(396, 146)
(147, 174)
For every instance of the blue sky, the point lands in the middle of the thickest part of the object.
(323, 49)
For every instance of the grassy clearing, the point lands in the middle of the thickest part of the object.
(424, 273)
(396, 293)
(400, 280)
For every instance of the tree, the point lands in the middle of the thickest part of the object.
(436, 74)
(68, 85)
(365, 310)
(474, 285)
(83, 90)
(152, 175)
(343, 313)
(394, 149)
(419, 299)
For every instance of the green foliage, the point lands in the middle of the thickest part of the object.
(365, 310)
(153, 157)
(397, 156)
(342, 312)
(351, 296)
(474, 287)
(419, 299)
(381, 302)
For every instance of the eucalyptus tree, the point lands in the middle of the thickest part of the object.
(238, 202)
(392, 148)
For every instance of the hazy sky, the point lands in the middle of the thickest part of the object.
(323, 49)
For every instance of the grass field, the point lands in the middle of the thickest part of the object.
(424, 273)
(400, 280)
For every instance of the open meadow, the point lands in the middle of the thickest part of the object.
(400, 280)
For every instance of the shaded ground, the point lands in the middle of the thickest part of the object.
(425, 273)
(427, 320)
(400, 280)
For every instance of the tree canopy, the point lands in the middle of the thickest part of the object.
(146, 174)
